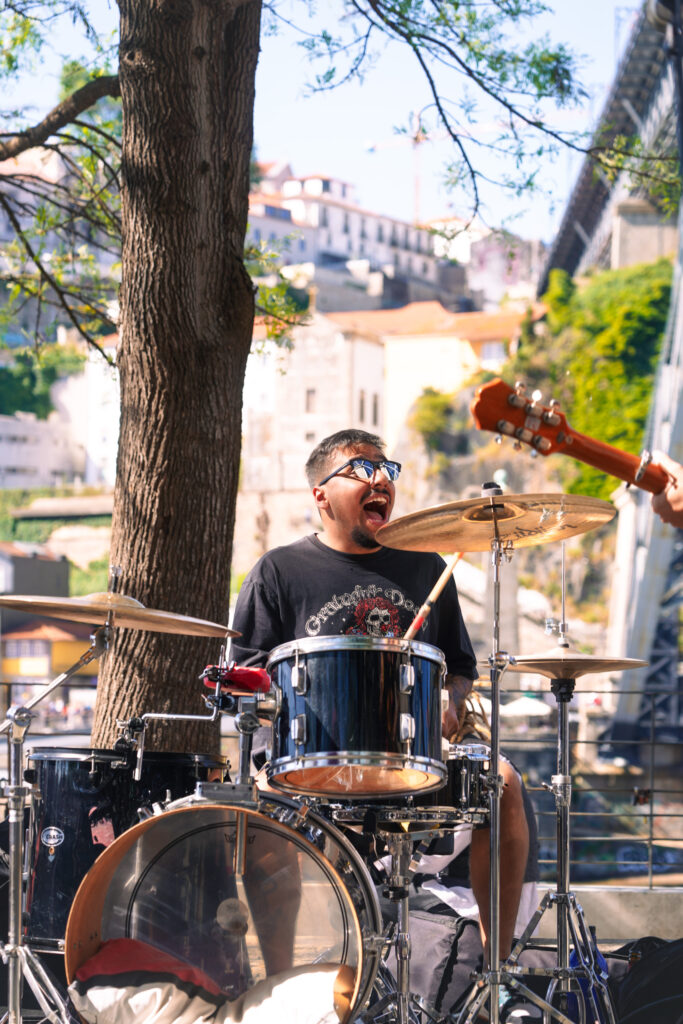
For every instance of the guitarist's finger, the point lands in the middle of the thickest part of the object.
(666, 462)
(668, 504)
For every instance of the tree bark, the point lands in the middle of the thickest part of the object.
(186, 72)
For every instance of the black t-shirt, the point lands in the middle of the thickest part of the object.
(307, 589)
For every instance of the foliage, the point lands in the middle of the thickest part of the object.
(598, 358)
(36, 531)
(25, 382)
(93, 580)
(442, 422)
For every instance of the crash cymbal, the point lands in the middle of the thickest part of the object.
(94, 609)
(519, 519)
(566, 663)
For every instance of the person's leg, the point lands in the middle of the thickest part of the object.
(514, 850)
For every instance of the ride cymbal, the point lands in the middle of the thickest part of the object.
(566, 663)
(95, 608)
(517, 519)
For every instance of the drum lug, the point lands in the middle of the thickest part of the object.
(297, 729)
(299, 679)
(407, 728)
(406, 675)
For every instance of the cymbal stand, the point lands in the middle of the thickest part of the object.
(20, 959)
(591, 996)
(487, 986)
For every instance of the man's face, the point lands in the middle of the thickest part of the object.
(353, 510)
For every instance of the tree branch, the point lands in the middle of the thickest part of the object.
(61, 115)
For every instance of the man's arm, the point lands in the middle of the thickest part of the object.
(459, 687)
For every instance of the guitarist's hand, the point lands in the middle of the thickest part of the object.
(668, 504)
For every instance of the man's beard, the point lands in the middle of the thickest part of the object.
(363, 540)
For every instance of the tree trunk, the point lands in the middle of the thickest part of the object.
(187, 72)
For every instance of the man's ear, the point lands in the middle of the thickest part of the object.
(320, 499)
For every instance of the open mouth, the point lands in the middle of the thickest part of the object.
(376, 508)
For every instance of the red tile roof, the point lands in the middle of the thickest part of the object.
(432, 318)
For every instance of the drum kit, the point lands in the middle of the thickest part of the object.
(248, 880)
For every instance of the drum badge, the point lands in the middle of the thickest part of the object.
(51, 837)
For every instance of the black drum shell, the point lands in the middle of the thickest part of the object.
(353, 705)
(86, 795)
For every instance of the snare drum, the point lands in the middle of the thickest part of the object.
(83, 799)
(240, 892)
(358, 716)
(465, 791)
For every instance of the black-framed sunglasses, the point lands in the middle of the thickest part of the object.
(364, 469)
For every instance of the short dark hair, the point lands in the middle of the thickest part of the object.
(317, 462)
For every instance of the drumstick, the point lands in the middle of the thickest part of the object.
(426, 608)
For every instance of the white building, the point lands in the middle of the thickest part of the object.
(37, 453)
(88, 403)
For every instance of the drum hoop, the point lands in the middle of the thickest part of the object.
(321, 644)
(82, 754)
(125, 841)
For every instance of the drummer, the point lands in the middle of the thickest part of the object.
(341, 581)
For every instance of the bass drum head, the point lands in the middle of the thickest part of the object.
(235, 892)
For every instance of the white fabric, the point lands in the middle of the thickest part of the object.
(300, 996)
(462, 901)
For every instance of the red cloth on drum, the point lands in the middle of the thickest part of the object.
(131, 982)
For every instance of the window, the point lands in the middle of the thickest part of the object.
(310, 400)
(26, 648)
(324, 219)
(326, 185)
(345, 228)
(380, 233)
(361, 406)
(375, 410)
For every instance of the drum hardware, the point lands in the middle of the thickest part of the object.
(106, 610)
(21, 961)
(563, 666)
(497, 522)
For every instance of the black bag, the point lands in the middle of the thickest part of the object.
(651, 991)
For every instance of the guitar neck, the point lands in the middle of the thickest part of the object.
(611, 460)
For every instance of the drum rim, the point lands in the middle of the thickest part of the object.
(352, 759)
(82, 754)
(341, 642)
(367, 955)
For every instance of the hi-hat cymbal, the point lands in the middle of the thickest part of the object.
(566, 663)
(95, 608)
(472, 525)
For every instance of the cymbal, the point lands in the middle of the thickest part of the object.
(471, 525)
(567, 663)
(94, 609)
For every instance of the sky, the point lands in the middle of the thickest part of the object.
(333, 133)
(350, 133)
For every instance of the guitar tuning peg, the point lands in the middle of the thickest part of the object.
(554, 403)
(533, 453)
(537, 395)
(498, 438)
(517, 445)
(520, 387)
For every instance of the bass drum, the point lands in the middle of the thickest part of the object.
(240, 892)
(82, 800)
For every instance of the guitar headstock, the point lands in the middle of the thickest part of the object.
(513, 413)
